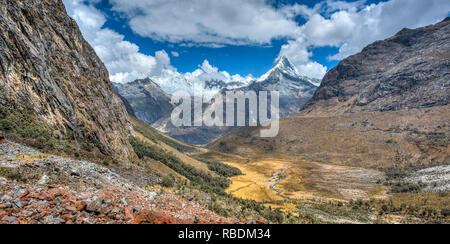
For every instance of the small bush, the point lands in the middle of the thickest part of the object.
(216, 208)
(4, 171)
(276, 216)
(168, 181)
(7, 125)
(11, 174)
(406, 187)
(445, 212)
(106, 162)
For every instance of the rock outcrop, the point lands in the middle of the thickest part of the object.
(46, 65)
(408, 71)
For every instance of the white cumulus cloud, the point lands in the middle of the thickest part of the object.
(122, 58)
(213, 22)
(350, 26)
(172, 81)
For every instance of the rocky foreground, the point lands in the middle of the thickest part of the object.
(37, 188)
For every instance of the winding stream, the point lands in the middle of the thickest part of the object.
(275, 181)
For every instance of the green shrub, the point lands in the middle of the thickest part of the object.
(406, 187)
(276, 216)
(7, 125)
(24, 122)
(105, 162)
(221, 168)
(4, 171)
(11, 174)
(206, 181)
(216, 208)
(168, 181)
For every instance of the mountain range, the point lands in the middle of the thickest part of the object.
(295, 89)
(152, 104)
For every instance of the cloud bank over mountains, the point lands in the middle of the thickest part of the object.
(348, 26)
(123, 59)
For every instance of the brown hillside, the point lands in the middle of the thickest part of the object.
(371, 139)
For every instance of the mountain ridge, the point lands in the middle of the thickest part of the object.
(149, 102)
(295, 89)
(284, 65)
(416, 75)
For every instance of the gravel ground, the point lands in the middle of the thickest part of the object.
(47, 189)
(436, 179)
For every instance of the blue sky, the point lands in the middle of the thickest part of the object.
(243, 60)
(315, 35)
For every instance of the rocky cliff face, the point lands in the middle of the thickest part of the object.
(149, 102)
(46, 64)
(407, 71)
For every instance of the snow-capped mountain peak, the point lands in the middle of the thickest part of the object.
(283, 64)
(284, 68)
(285, 72)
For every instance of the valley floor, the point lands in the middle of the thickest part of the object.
(326, 193)
(301, 180)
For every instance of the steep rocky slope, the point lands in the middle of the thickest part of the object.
(386, 106)
(47, 66)
(149, 102)
(408, 71)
